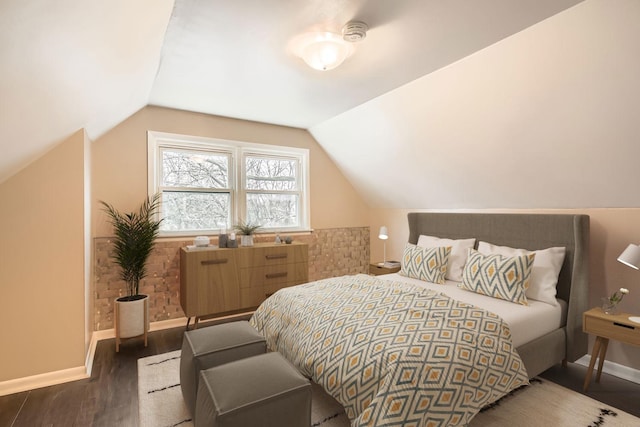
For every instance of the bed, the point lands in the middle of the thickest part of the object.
(530, 231)
(384, 377)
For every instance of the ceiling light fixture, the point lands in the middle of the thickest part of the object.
(325, 50)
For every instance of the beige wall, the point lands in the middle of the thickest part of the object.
(120, 163)
(42, 264)
(611, 231)
(545, 118)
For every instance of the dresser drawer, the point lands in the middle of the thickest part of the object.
(208, 282)
(209, 258)
(257, 256)
(273, 274)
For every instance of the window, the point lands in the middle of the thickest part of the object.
(211, 184)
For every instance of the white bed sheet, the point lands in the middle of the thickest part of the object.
(526, 322)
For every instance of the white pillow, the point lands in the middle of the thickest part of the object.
(459, 252)
(546, 268)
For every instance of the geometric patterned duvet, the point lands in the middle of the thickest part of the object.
(391, 353)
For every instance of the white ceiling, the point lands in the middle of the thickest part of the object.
(230, 58)
(72, 64)
(90, 64)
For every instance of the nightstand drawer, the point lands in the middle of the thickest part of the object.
(611, 328)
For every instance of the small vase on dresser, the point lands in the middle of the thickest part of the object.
(608, 306)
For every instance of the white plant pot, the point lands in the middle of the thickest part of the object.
(131, 318)
(246, 240)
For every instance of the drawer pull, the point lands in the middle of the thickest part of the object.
(276, 256)
(624, 326)
(275, 275)
(214, 261)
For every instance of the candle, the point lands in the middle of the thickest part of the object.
(232, 236)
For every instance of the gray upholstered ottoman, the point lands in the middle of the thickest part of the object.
(265, 391)
(212, 346)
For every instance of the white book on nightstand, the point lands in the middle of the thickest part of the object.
(390, 264)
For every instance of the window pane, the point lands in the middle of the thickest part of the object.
(192, 169)
(195, 211)
(270, 174)
(273, 210)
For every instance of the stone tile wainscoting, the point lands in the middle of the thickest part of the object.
(332, 252)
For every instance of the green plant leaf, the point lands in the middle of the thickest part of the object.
(246, 228)
(134, 238)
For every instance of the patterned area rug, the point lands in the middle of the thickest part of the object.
(542, 403)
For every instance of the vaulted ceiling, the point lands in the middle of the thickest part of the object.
(74, 64)
(445, 104)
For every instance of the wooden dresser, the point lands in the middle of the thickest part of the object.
(216, 281)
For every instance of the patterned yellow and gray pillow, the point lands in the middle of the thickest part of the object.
(428, 264)
(498, 276)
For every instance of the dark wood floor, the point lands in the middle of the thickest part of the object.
(109, 397)
(614, 391)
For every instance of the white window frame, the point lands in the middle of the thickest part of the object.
(237, 150)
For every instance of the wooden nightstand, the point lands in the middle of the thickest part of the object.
(607, 326)
(378, 270)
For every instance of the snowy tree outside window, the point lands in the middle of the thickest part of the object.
(208, 185)
(272, 191)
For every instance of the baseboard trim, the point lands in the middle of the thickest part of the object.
(612, 368)
(80, 372)
(106, 334)
(43, 380)
(88, 362)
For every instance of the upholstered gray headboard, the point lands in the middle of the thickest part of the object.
(527, 231)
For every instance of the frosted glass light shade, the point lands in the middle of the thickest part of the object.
(322, 51)
(383, 234)
(631, 256)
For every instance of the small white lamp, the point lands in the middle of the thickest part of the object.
(631, 258)
(383, 235)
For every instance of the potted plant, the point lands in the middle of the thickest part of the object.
(246, 230)
(135, 236)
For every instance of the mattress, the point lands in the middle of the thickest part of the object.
(526, 322)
